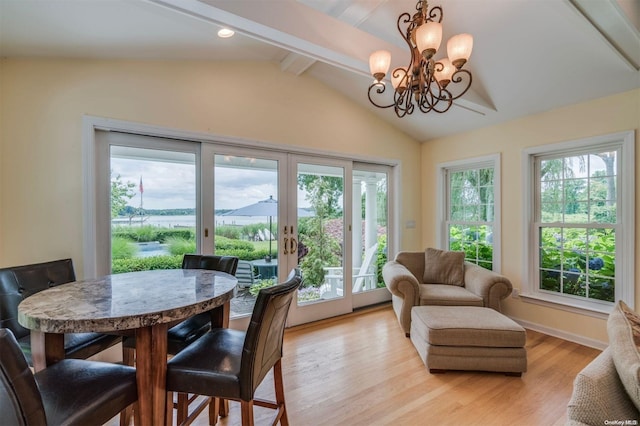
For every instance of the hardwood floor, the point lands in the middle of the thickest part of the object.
(361, 370)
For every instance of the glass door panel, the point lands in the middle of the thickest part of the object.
(246, 222)
(321, 209)
(153, 208)
(369, 229)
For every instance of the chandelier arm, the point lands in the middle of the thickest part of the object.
(435, 14)
(457, 77)
(379, 89)
(405, 34)
(427, 101)
(403, 105)
(445, 99)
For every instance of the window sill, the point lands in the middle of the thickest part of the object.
(600, 312)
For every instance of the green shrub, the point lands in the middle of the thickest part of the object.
(229, 231)
(146, 234)
(255, 288)
(149, 233)
(119, 266)
(122, 248)
(245, 254)
(224, 243)
(181, 246)
(164, 234)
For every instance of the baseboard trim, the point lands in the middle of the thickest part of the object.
(571, 337)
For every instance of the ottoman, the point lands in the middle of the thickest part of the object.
(468, 338)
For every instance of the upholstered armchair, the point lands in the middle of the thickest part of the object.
(437, 277)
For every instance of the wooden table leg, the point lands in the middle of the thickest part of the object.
(220, 315)
(220, 319)
(151, 373)
(46, 349)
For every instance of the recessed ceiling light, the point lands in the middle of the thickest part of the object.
(225, 33)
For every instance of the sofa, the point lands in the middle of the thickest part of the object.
(607, 390)
(439, 277)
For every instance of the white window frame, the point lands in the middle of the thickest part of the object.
(443, 170)
(625, 226)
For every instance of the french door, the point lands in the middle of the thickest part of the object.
(283, 204)
(321, 187)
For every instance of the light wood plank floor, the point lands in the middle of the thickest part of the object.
(360, 369)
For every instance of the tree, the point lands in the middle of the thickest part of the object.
(326, 190)
(120, 193)
(323, 193)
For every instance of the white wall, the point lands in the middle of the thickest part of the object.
(43, 101)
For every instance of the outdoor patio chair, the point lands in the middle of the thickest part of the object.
(246, 274)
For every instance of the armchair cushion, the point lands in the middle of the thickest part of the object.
(443, 267)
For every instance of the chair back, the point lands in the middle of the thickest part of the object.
(20, 400)
(19, 282)
(263, 341)
(228, 264)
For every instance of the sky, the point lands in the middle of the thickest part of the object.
(173, 185)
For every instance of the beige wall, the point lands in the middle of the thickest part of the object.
(602, 116)
(43, 101)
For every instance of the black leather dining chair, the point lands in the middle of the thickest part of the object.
(69, 392)
(186, 332)
(19, 282)
(230, 364)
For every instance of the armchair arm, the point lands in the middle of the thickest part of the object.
(401, 282)
(492, 287)
(405, 291)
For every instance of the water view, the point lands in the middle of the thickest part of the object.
(180, 221)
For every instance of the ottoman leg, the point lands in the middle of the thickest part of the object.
(437, 371)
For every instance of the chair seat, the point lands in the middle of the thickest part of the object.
(76, 345)
(448, 295)
(82, 393)
(217, 374)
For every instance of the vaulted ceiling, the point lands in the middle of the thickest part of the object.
(529, 55)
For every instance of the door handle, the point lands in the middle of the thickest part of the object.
(294, 245)
(286, 241)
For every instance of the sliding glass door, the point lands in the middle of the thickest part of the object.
(149, 189)
(247, 213)
(158, 199)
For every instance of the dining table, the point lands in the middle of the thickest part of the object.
(145, 303)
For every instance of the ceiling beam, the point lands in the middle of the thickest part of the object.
(305, 31)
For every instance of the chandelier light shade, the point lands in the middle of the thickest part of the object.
(379, 62)
(427, 83)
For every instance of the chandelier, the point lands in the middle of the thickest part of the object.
(426, 81)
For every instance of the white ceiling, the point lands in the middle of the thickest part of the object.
(529, 55)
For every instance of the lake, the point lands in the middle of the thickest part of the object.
(182, 221)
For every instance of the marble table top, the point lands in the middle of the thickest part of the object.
(126, 301)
